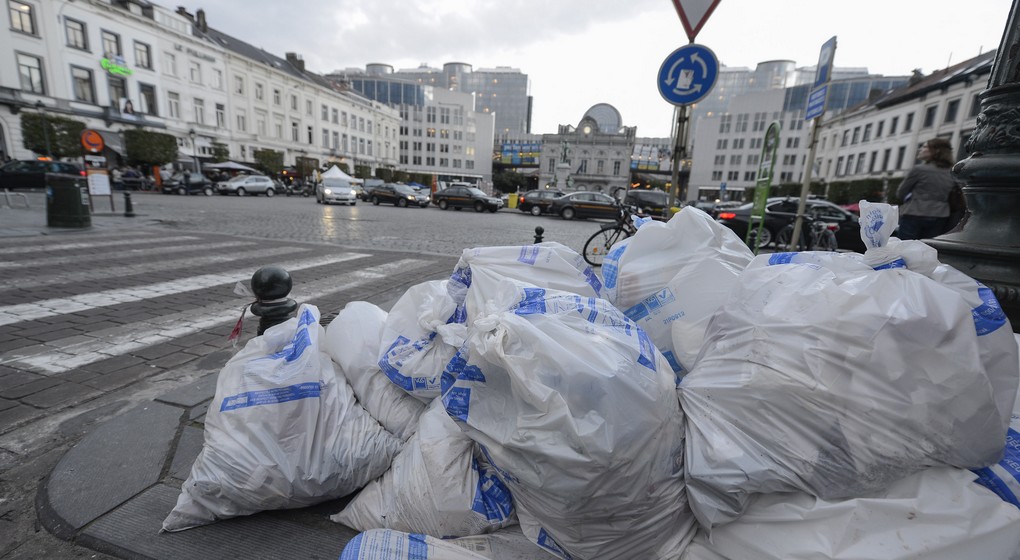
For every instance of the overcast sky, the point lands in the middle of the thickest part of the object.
(581, 52)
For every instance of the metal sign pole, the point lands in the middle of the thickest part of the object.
(679, 155)
(805, 187)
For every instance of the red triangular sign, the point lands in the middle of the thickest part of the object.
(694, 14)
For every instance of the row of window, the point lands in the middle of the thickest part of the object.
(862, 134)
(759, 124)
(431, 161)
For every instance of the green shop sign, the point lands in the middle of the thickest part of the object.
(116, 67)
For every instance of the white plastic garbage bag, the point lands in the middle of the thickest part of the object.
(1003, 477)
(838, 380)
(283, 431)
(545, 265)
(576, 410)
(423, 331)
(936, 514)
(671, 277)
(386, 544)
(352, 339)
(436, 486)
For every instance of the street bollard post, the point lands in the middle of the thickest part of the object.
(271, 285)
(539, 230)
(129, 212)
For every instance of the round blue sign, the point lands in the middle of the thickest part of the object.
(688, 74)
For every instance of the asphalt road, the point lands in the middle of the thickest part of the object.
(94, 322)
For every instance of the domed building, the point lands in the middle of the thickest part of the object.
(592, 156)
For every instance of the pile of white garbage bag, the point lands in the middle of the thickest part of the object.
(694, 402)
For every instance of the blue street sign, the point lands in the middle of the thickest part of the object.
(816, 103)
(688, 74)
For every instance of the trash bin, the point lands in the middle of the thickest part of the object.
(511, 201)
(67, 202)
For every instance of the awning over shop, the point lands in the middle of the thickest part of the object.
(113, 140)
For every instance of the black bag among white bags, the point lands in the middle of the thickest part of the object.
(836, 376)
(283, 431)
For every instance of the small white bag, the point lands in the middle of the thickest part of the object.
(386, 544)
(436, 486)
(352, 340)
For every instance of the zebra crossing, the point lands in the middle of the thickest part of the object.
(74, 313)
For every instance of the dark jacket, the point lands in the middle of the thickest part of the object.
(925, 191)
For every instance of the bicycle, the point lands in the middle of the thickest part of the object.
(815, 235)
(599, 244)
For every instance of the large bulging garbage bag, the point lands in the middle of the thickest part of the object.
(438, 485)
(283, 431)
(577, 412)
(671, 277)
(837, 379)
(352, 339)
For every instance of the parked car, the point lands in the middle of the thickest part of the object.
(242, 185)
(335, 189)
(781, 211)
(133, 180)
(462, 196)
(397, 194)
(647, 201)
(537, 202)
(188, 183)
(585, 204)
(31, 173)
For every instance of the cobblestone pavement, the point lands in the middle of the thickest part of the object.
(95, 321)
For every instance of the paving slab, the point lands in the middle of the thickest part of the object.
(118, 460)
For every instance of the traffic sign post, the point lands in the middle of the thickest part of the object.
(96, 173)
(815, 109)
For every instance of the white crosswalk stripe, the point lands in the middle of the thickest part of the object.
(76, 259)
(12, 314)
(64, 355)
(116, 243)
(155, 266)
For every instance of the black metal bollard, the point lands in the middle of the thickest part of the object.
(271, 285)
(539, 230)
(129, 212)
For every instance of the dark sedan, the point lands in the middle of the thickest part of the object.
(458, 197)
(782, 211)
(397, 194)
(31, 173)
(188, 182)
(585, 204)
(537, 202)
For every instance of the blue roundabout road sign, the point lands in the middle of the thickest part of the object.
(688, 74)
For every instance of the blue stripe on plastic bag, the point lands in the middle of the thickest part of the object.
(276, 395)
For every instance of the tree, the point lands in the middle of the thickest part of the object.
(59, 136)
(509, 181)
(363, 171)
(144, 147)
(269, 161)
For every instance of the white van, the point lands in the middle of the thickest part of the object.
(335, 189)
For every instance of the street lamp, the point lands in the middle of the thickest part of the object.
(45, 126)
(194, 150)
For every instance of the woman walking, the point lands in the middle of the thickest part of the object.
(924, 193)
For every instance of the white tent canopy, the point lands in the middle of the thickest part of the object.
(339, 173)
(231, 166)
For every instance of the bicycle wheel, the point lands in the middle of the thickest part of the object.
(598, 245)
(783, 243)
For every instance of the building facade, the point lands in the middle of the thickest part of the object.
(727, 144)
(880, 139)
(595, 155)
(440, 133)
(121, 64)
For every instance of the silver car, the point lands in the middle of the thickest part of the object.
(337, 190)
(242, 185)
